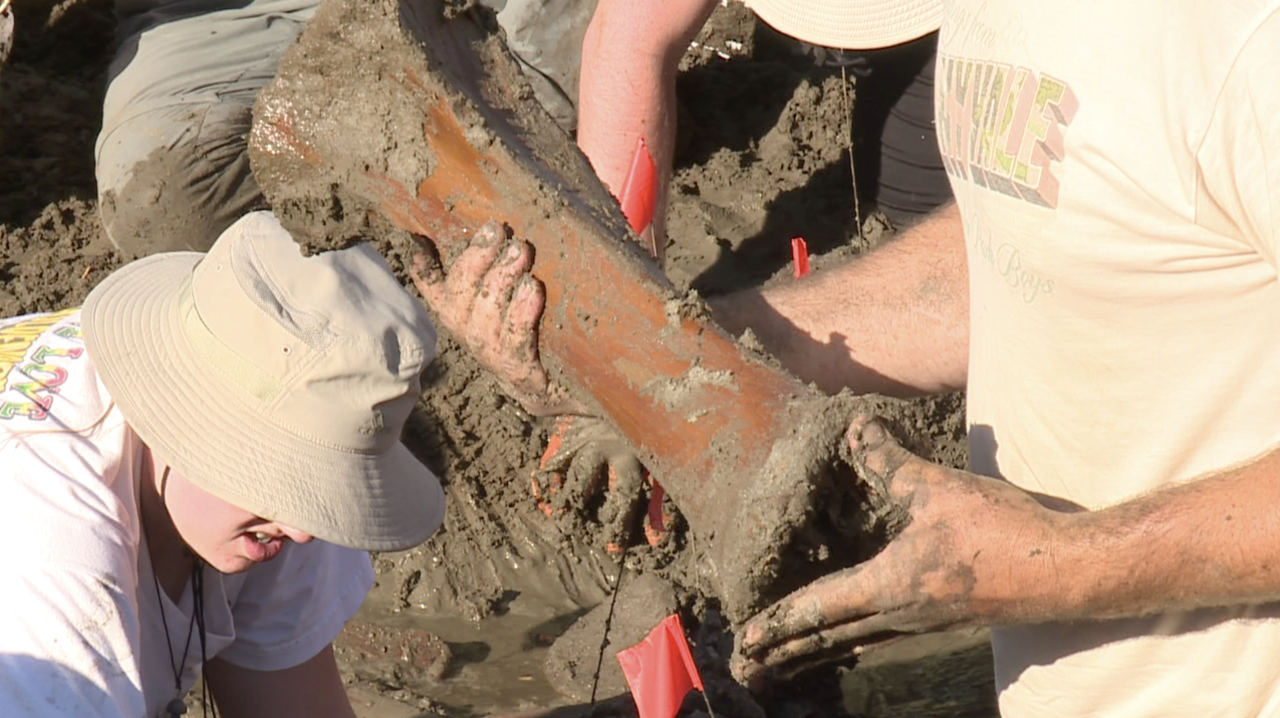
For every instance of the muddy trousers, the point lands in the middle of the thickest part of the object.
(171, 158)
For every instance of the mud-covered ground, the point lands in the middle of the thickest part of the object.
(465, 624)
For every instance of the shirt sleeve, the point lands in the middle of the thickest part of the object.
(69, 646)
(1239, 159)
(294, 605)
(70, 635)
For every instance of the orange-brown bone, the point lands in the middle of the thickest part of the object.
(426, 121)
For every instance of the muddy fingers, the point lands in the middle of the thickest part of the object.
(589, 479)
(490, 234)
(490, 303)
(813, 608)
(790, 659)
(877, 454)
(527, 303)
(657, 519)
(620, 513)
(426, 269)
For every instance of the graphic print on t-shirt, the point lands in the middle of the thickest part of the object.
(33, 359)
(1003, 127)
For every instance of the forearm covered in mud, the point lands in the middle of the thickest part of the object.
(1211, 542)
(627, 87)
(894, 321)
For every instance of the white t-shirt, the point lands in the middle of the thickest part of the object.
(80, 633)
(1117, 167)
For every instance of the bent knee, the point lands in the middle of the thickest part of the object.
(174, 180)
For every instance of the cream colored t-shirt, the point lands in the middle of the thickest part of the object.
(1117, 167)
(80, 629)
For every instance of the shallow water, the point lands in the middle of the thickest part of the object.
(494, 664)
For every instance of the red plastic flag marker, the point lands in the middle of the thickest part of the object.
(660, 670)
(639, 201)
(640, 193)
(800, 256)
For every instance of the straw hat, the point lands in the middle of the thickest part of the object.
(276, 382)
(851, 24)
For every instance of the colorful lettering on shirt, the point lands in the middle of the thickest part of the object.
(31, 372)
(1003, 127)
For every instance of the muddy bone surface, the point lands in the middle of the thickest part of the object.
(402, 121)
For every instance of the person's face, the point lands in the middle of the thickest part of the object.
(227, 537)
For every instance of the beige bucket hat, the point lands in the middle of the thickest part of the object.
(276, 382)
(851, 24)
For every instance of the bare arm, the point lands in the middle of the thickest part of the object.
(895, 321)
(1212, 542)
(627, 88)
(980, 551)
(310, 690)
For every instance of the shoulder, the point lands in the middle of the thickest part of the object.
(66, 453)
(71, 643)
(46, 378)
(1207, 39)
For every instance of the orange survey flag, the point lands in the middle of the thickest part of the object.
(660, 670)
(639, 201)
(800, 256)
(640, 190)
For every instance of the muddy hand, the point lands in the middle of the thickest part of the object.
(587, 473)
(948, 568)
(489, 302)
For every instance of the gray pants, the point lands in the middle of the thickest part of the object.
(172, 166)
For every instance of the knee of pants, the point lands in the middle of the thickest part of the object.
(171, 165)
(546, 38)
(174, 178)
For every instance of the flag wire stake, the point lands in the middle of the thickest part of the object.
(608, 620)
(848, 111)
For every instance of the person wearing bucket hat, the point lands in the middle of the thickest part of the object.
(1105, 288)
(196, 463)
(171, 162)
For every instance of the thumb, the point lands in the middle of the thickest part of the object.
(867, 433)
(875, 452)
(428, 276)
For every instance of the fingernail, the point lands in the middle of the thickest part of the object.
(487, 236)
(862, 432)
(525, 288)
(872, 433)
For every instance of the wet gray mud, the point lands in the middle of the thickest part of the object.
(748, 450)
(469, 623)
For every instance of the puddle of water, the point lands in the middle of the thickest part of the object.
(497, 662)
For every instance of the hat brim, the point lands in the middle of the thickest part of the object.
(132, 328)
(851, 24)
